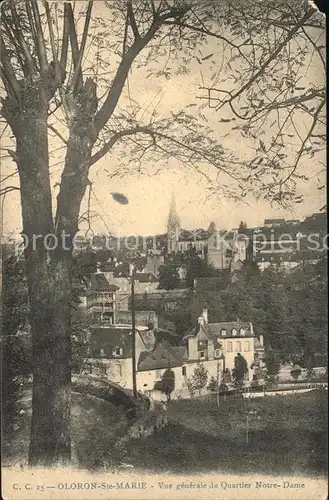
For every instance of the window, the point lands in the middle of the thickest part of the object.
(238, 346)
(117, 351)
(202, 354)
(247, 346)
(233, 332)
(223, 332)
(229, 346)
(217, 353)
(242, 332)
(184, 370)
(202, 345)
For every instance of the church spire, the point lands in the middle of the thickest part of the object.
(173, 219)
(173, 226)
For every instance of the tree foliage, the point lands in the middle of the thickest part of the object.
(287, 307)
(168, 277)
(240, 370)
(197, 267)
(200, 377)
(212, 385)
(168, 382)
(272, 364)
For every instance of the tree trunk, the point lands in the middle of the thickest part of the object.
(48, 256)
(49, 283)
(50, 441)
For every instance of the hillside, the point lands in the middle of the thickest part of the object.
(96, 426)
(289, 437)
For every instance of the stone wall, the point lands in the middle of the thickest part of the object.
(148, 424)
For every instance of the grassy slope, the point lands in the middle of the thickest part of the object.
(289, 438)
(96, 425)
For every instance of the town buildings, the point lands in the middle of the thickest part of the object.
(214, 345)
(99, 298)
(182, 240)
(110, 351)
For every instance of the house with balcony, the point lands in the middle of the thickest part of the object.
(119, 274)
(98, 296)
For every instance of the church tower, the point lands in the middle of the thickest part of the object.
(173, 227)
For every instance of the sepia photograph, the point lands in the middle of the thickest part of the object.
(164, 310)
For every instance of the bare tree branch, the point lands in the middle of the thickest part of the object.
(74, 43)
(77, 75)
(270, 59)
(302, 149)
(52, 43)
(42, 52)
(132, 20)
(22, 43)
(65, 38)
(57, 133)
(8, 189)
(8, 70)
(119, 80)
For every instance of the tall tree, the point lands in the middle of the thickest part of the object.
(240, 370)
(56, 96)
(168, 383)
(272, 364)
(200, 377)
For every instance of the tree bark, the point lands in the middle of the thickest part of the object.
(48, 256)
(48, 279)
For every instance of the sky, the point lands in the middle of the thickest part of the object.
(149, 195)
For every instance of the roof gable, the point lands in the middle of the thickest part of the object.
(99, 282)
(163, 356)
(146, 277)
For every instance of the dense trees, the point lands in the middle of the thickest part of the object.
(287, 308)
(197, 267)
(272, 364)
(168, 277)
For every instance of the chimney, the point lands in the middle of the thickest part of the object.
(205, 314)
(261, 340)
(98, 267)
(131, 269)
(201, 320)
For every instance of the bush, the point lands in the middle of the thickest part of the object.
(295, 372)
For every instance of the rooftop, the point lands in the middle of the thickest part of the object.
(163, 356)
(223, 329)
(99, 282)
